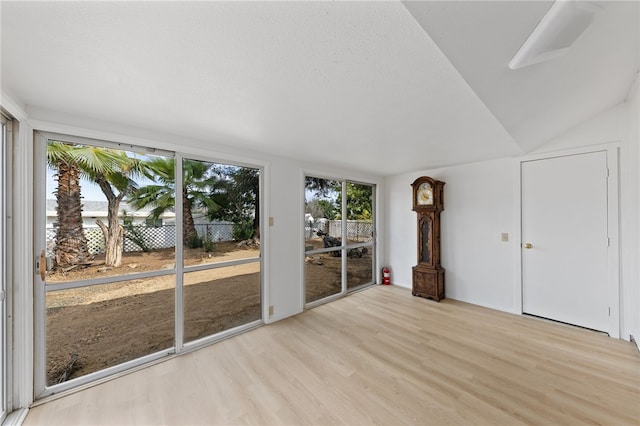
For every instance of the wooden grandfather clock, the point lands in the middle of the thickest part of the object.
(428, 275)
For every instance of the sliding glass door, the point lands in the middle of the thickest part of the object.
(143, 253)
(339, 237)
(107, 280)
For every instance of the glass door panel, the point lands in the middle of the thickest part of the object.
(108, 259)
(360, 268)
(95, 327)
(323, 275)
(323, 238)
(219, 299)
(221, 205)
(360, 231)
(222, 254)
(111, 220)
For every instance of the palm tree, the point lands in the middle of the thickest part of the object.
(112, 171)
(116, 182)
(197, 186)
(71, 243)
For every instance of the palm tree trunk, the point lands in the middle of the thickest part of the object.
(114, 239)
(189, 228)
(71, 243)
(113, 232)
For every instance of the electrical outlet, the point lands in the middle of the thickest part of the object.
(271, 310)
(505, 236)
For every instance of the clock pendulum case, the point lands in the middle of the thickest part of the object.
(428, 275)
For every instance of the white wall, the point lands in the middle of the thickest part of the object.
(285, 236)
(480, 204)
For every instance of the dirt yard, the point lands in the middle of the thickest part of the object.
(323, 271)
(95, 327)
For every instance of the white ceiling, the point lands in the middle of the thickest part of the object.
(538, 102)
(374, 87)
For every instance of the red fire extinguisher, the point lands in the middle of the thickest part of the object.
(386, 276)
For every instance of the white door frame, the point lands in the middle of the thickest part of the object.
(613, 258)
(5, 248)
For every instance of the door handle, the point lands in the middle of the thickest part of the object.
(43, 264)
(527, 245)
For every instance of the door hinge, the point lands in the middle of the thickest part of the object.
(607, 171)
(2, 295)
(609, 311)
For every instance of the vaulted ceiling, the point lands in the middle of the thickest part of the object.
(375, 87)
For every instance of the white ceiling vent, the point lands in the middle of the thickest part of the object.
(557, 31)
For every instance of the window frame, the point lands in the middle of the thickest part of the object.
(6, 239)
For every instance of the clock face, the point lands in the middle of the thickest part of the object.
(424, 195)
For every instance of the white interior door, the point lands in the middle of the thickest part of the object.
(564, 239)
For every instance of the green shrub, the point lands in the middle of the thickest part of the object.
(194, 242)
(208, 246)
(242, 231)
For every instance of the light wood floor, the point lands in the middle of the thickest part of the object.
(379, 356)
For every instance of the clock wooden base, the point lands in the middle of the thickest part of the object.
(428, 282)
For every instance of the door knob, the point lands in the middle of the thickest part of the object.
(527, 245)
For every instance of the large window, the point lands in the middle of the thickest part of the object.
(143, 254)
(339, 237)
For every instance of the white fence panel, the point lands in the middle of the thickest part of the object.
(154, 238)
(357, 230)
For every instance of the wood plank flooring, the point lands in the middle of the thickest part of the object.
(379, 356)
